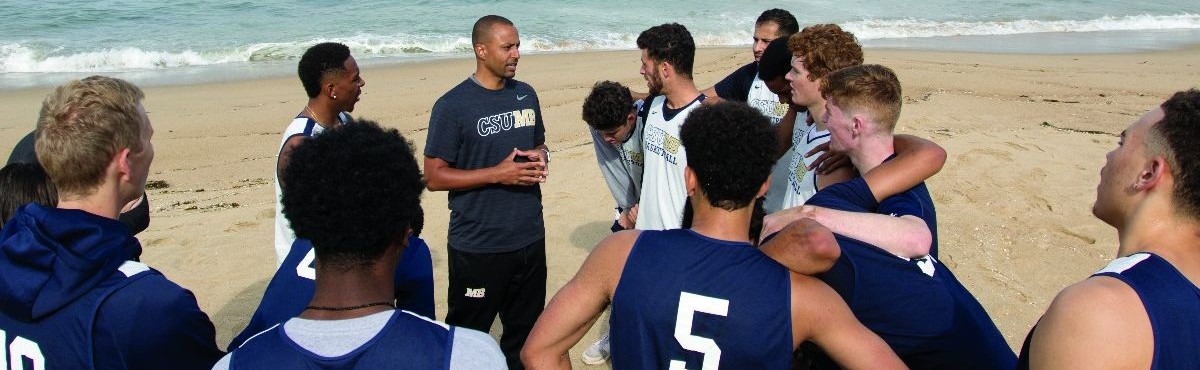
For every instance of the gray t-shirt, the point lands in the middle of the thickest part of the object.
(472, 127)
(470, 349)
(622, 164)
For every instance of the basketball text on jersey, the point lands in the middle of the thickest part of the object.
(506, 121)
(661, 143)
(773, 109)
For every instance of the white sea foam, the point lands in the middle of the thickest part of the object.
(19, 57)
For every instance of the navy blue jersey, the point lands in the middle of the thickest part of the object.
(688, 299)
(70, 299)
(1172, 302)
(924, 314)
(406, 342)
(292, 287)
(736, 86)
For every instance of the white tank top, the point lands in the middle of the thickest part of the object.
(663, 190)
(802, 183)
(781, 172)
(761, 98)
(283, 231)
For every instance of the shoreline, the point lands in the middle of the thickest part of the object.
(1014, 196)
(1048, 43)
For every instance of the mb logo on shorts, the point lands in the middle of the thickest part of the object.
(476, 293)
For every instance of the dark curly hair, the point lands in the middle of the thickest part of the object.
(318, 61)
(731, 148)
(782, 18)
(607, 106)
(672, 43)
(825, 48)
(1175, 137)
(352, 191)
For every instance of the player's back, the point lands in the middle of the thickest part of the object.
(689, 298)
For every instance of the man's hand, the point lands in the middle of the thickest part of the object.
(628, 217)
(828, 161)
(511, 172)
(774, 222)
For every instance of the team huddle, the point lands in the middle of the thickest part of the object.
(772, 221)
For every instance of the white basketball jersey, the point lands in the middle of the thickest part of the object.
(761, 98)
(283, 230)
(802, 183)
(781, 172)
(663, 190)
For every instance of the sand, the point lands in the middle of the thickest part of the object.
(1026, 136)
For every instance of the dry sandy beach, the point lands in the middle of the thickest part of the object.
(1026, 137)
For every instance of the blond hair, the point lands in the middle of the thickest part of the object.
(82, 125)
(868, 88)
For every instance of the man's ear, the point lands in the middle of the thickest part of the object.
(665, 69)
(480, 51)
(858, 125)
(1152, 175)
(689, 180)
(762, 189)
(122, 164)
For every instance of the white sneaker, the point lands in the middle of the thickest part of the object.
(597, 353)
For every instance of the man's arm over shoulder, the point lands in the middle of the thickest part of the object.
(917, 160)
(819, 314)
(735, 86)
(154, 324)
(1099, 323)
(578, 304)
(804, 246)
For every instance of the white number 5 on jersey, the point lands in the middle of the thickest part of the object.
(689, 304)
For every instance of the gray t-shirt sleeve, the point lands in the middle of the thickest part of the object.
(616, 175)
(473, 349)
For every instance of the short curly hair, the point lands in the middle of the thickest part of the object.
(352, 191)
(607, 106)
(671, 43)
(870, 89)
(319, 61)
(825, 48)
(1175, 138)
(731, 148)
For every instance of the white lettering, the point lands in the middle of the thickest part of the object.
(21, 349)
(689, 304)
(305, 268)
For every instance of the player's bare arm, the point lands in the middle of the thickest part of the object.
(1093, 324)
(578, 304)
(917, 160)
(820, 315)
(803, 246)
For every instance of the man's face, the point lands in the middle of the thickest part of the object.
(618, 135)
(780, 87)
(348, 85)
(139, 162)
(501, 51)
(764, 33)
(1121, 169)
(839, 122)
(805, 92)
(650, 73)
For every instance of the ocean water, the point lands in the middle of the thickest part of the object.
(43, 43)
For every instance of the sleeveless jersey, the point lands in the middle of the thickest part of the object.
(406, 342)
(1172, 302)
(63, 340)
(284, 236)
(663, 190)
(760, 97)
(802, 183)
(294, 282)
(688, 301)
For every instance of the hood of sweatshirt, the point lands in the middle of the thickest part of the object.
(50, 257)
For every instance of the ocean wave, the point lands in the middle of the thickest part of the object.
(18, 57)
(910, 28)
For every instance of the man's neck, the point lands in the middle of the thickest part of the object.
(872, 151)
(718, 223)
(104, 202)
(1156, 227)
(817, 113)
(680, 93)
(487, 79)
(350, 288)
(323, 112)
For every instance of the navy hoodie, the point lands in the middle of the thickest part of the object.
(71, 298)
